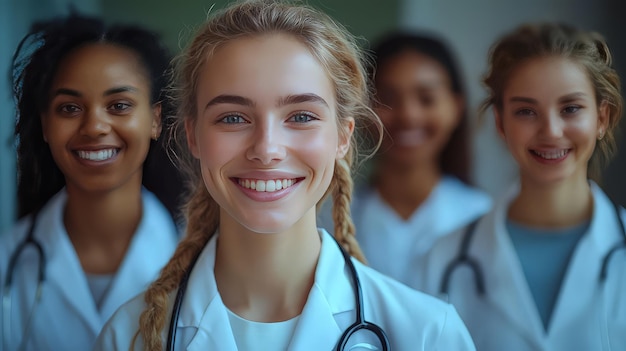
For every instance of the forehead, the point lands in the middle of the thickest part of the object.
(548, 77)
(264, 66)
(101, 64)
(411, 66)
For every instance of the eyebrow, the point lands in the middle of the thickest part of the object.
(287, 100)
(112, 91)
(230, 99)
(302, 98)
(563, 99)
(122, 89)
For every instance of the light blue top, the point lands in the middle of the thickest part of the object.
(544, 255)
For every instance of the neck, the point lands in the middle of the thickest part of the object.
(101, 225)
(405, 189)
(555, 205)
(266, 277)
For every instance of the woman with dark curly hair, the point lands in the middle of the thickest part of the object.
(89, 113)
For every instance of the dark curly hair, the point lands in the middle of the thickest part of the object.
(33, 70)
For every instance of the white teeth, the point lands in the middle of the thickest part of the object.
(268, 186)
(551, 155)
(100, 155)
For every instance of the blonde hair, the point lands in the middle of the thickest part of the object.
(336, 50)
(587, 49)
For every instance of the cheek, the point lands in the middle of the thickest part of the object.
(583, 129)
(215, 151)
(316, 148)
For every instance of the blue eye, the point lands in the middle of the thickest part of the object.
(301, 118)
(232, 119)
(571, 109)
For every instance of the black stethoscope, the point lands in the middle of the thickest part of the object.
(359, 324)
(8, 282)
(463, 258)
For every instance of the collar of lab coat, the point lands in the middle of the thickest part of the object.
(579, 284)
(451, 205)
(155, 233)
(317, 328)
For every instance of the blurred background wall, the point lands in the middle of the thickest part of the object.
(470, 26)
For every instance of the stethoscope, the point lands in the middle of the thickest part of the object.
(359, 324)
(8, 282)
(463, 258)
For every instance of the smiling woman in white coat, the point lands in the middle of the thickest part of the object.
(91, 236)
(420, 188)
(544, 269)
(269, 96)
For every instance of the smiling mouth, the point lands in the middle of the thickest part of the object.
(271, 185)
(551, 155)
(99, 155)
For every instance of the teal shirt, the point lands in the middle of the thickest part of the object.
(544, 255)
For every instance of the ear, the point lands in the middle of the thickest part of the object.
(603, 118)
(497, 114)
(345, 137)
(157, 125)
(190, 131)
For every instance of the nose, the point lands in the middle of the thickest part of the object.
(552, 125)
(408, 112)
(95, 123)
(267, 143)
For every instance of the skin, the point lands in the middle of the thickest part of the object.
(101, 101)
(266, 111)
(419, 111)
(550, 121)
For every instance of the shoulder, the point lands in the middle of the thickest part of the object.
(156, 216)
(403, 312)
(464, 194)
(10, 238)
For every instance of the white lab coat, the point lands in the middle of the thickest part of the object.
(384, 235)
(412, 320)
(67, 317)
(586, 316)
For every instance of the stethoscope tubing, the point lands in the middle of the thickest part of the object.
(7, 303)
(359, 324)
(463, 257)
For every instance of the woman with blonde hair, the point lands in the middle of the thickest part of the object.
(269, 95)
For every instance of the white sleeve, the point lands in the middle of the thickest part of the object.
(454, 334)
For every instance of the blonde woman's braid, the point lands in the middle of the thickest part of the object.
(342, 197)
(202, 219)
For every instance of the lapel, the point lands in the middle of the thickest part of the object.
(64, 273)
(506, 287)
(202, 307)
(582, 278)
(332, 294)
(452, 205)
(317, 328)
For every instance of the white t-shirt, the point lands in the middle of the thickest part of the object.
(251, 335)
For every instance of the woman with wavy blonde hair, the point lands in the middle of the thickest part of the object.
(269, 95)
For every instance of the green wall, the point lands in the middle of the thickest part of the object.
(176, 20)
